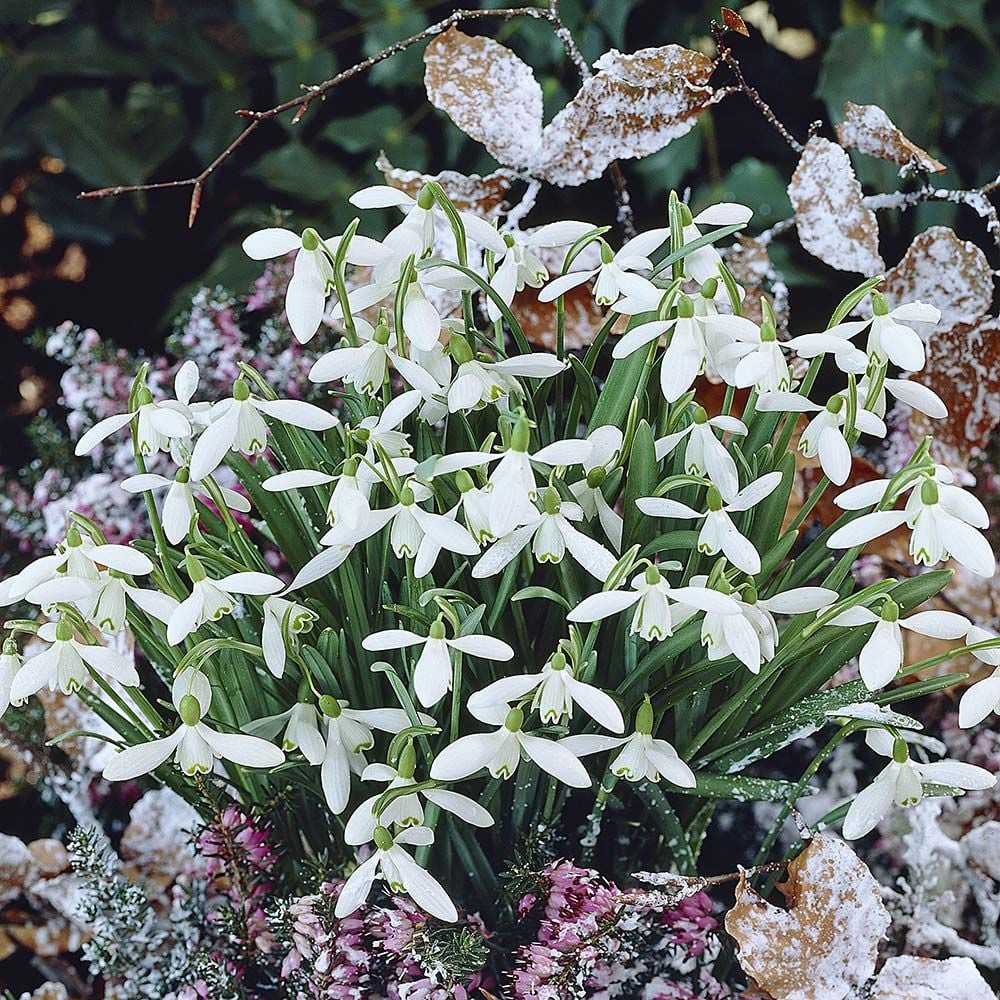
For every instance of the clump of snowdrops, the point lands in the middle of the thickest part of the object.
(490, 594)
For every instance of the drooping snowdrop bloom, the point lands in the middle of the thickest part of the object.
(474, 503)
(718, 533)
(501, 751)
(824, 435)
(407, 810)
(882, 655)
(980, 698)
(642, 757)
(512, 484)
(556, 690)
(401, 873)
(195, 745)
(890, 338)
(652, 597)
(238, 424)
(702, 264)
(10, 663)
(77, 557)
(704, 453)
(551, 534)
(348, 736)
(158, 423)
(103, 602)
(282, 618)
(598, 453)
(312, 274)
(615, 274)
(478, 383)
(383, 429)
(432, 673)
(63, 666)
(211, 600)
(179, 508)
(299, 728)
(902, 782)
(348, 506)
(943, 519)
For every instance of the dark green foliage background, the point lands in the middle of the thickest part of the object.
(127, 91)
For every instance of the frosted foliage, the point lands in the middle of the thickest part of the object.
(632, 107)
(488, 92)
(915, 978)
(833, 222)
(868, 129)
(826, 943)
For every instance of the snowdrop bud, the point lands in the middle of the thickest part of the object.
(880, 307)
(768, 334)
(835, 404)
(241, 391)
(900, 754)
(460, 350)
(644, 717)
(194, 568)
(407, 762)
(463, 481)
(929, 492)
(685, 307)
(310, 239)
(890, 611)
(709, 288)
(189, 710)
(550, 500)
(64, 631)
(514, 720)
(714, 498)
(361, 435)
(596, 477)
(329, 706)
(425, 199)
(381, 836)
(521, 437)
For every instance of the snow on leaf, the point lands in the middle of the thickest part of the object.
(469, 192)
(868, 129)
(907, 977)
(488, 92)
(963, 368)
(833, 222)
(734, 22)
(947, 272)
(634, 105)
(825, 944)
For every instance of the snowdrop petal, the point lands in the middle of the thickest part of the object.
(268, 243)
(863, 495)
(336, 364)
(725, 213)
(881, 657)
(421, 323)
(759, 489)
(587, 743)
(556, 760)
(295, 480)
(938, 624)
(214, 444)
(424, 889)
(591, 555)
(834, 455)
(916, 312)
(254, 584)
(640, 336)
(573, 451)
(562, 284)
(141, 759)
(122, 558)
(502, 552)
(305, 299)
(393, 638)
(145, 482)
(381, 196)
(603, 605)
(665, 507)
(865, 528)
(957, 773)
(868, 808)
(108, 661)
(917, 396)
(483, 646)
(357, 887)
(449, 534)
(531, 366)
(799, 599)
(970, 548)
(601, 707)
(102, 429)
(247, 751)
(978, 701)
(298, 413)
(461, 805)
(558, 234)
(465, 756)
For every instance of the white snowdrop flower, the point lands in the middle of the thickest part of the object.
(988, 654)
(158, 424)
(194, 745)
(907, 391)
(299, 728)
(652, 597)
(401, 874)
(824, 435)
(432, 674)
(10, 663)
(238, 424)
(983, 697)
(512, 484)
(518, 266)
(882, 655)
(407, 810)
(718, 533)
(384, 430)
(475, 506)
(103, 602)
(366, 367)
(348, 736)
(480, 383)
(282, 618)
(556, 690)
(348, 505)
(702, 264)
(942, 518)
(615, 274)
(704, 453)
(76, 558)
(902, 782)
(642, 756)
(598, 453)
(179, 510)
(501, 751)
(890, 338)
(211, 600)
(63, 666)
(312, 274)
(551, 534)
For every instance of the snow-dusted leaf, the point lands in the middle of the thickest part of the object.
(488, 92)
(868, 129)
(734, 22)
(752, 268)
(947, 272)
(469, 192)
(633, 106)
(826, 943)
(907, 977)
(963, 368)
(833, 222)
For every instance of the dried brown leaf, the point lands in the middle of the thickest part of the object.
(734, 22)
(633, 106)
(868, 129)
(833, 222)
(907, 977)
(752, 268)
(469, 192)
(488, 92)
(826, 943)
